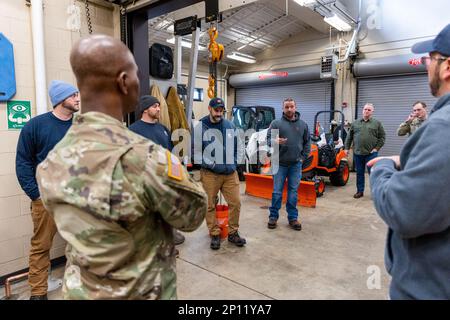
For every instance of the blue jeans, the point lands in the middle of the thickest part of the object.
(293, 173)
(360, 165)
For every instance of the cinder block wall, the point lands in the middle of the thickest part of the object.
(15, 23)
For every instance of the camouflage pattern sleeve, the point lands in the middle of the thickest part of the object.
(404, 129)
(179, 199)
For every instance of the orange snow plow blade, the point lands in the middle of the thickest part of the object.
(261, 186)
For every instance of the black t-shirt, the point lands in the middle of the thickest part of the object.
(156, 132)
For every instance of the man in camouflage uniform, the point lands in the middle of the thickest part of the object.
(115, 196)
(414, 120)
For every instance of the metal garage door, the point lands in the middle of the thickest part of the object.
(310, 97)
(393, 98)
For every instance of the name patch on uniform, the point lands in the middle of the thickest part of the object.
(175, 171)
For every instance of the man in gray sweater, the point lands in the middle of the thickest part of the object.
(411, 192)
(294, 142)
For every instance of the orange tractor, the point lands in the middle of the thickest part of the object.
(325, 160)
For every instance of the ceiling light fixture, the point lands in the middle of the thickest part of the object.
(305, 2)
(185, 44)
(338, 23)
(241, 57)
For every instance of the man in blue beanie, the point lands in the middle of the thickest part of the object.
(418, 244)
(36, 139)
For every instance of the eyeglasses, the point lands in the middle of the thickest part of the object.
(427, 60)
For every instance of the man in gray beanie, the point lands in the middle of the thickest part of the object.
(36, 139)
(149, 127)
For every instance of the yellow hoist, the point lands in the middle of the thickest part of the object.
(216, 54)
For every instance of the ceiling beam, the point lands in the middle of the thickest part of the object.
(304, 14)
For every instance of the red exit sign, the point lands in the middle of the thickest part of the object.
(414, 62)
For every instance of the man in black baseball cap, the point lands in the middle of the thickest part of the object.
(218, 171)
(411, 192)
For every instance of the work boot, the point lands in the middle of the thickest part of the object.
(294, 224)
(272, 224)
(43, 297)
(178, 238)
(358, 195)
(215, 242)
(236, 239)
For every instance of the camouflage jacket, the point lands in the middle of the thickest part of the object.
(408, 127)
(115, 197)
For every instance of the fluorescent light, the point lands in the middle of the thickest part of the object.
(337, 22)
(185, 44)
(241, 57)
(165, 25)
(305, 2)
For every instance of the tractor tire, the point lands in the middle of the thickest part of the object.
(340, 177)
(320, 187)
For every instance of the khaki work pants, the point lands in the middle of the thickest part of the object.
(229, 186)
(44, 229)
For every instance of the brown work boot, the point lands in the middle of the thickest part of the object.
(358, 195)
(272, 224)
(294, 224)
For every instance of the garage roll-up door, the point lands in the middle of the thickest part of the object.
(310, 97)
(393, 98)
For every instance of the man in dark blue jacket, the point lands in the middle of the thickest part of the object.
(36, 139)
(216, 150)
(411, 192)
(294, 146)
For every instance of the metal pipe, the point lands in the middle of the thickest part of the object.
(344, 13)
(192, 73)
(40, 81)
(11, 279)
(352, 45)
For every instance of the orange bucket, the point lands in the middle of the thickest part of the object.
(222, 219)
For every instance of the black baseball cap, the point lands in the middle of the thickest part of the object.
(439, 44)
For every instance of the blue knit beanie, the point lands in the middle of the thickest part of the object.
(60, 91)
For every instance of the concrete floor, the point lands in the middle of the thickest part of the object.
(328, 259)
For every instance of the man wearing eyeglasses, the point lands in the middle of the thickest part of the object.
(414, 120)
(418, 243)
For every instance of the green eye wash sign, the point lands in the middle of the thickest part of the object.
(19, 113)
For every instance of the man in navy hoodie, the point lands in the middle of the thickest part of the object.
(149, 127)
(217, 154)
(411, 192)
(36, 139)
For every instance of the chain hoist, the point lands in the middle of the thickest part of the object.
(88, 16)
(216, 54)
